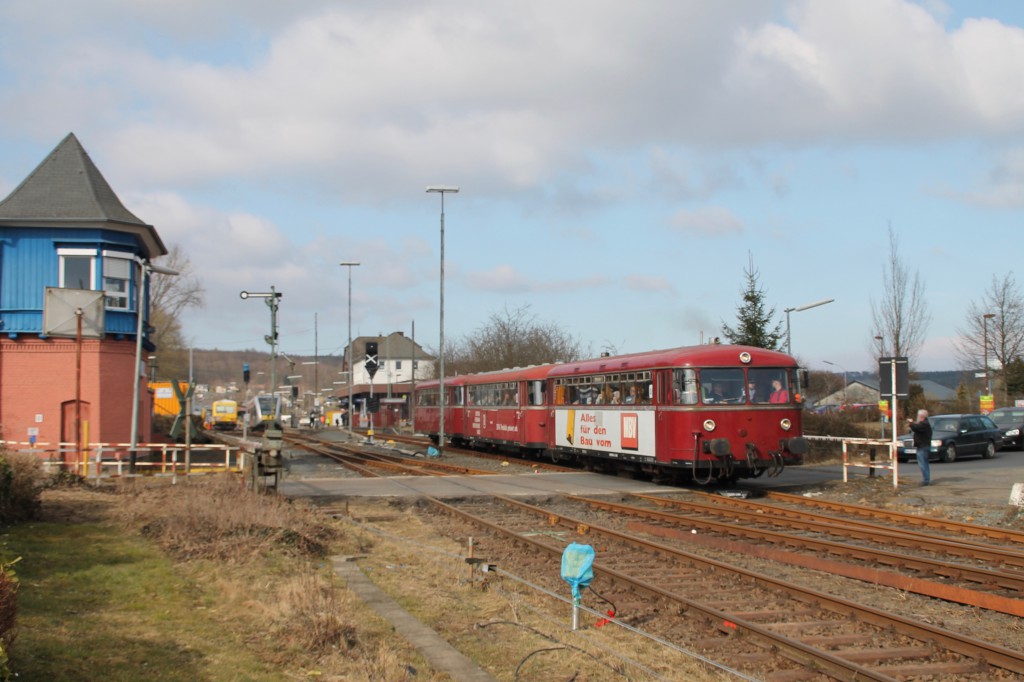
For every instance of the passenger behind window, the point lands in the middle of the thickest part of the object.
(752, 392)
(632, 398)
(779, 394)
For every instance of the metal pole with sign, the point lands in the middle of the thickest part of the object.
(371, 369)
(894, 383)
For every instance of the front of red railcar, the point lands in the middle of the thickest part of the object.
(710, 413)
(736, 412)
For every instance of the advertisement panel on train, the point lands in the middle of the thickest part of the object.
(606, 431)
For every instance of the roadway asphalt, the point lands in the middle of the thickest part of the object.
(976, 480)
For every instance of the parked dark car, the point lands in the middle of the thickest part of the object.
(1011, 421)
(955, 436)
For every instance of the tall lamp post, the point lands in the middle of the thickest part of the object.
(147, 269)
(984, 321)
(844, 377)
(351, 374)
(442, 189)
(799, 309)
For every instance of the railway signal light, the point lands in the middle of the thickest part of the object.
(371, 358)
(245, 372)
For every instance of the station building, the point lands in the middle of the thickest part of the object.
(74, 306)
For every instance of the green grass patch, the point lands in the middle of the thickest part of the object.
(97, 604)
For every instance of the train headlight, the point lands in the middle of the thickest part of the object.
(786, 424)
(709, 425)
(745, 357)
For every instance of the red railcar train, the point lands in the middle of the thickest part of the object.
(709, 413)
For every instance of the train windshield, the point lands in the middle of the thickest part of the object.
(769, 385)
(722, 386)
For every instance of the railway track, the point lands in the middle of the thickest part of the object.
(794, 632)
(423, 443)
(367, 462)
(748, 620)
(970, 573)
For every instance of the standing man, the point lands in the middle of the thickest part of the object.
(923, 442)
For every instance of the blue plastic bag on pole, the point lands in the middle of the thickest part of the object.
(578, 567)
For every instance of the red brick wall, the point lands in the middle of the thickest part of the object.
(38, 375)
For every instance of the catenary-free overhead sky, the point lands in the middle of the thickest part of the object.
(620, 163)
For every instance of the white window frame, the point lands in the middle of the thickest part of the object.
(64, 253)
(118, 299)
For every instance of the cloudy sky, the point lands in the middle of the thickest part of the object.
(620, 163)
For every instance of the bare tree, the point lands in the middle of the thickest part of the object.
(901, 316)
(169, 297)
(514, 338)
(996, 320)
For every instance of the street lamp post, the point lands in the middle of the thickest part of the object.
(147, 269)
(349, 265)
(798, 309)
(844, 378)
(442, 189)
(984, 321)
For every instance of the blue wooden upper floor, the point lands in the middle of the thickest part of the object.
(95, 259)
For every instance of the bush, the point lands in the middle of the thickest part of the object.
(20, 484)
(8, 614)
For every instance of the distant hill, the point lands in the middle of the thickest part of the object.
(222, 368)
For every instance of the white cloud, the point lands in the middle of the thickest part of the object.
(649, 283)
(510, 94)
(710, 220)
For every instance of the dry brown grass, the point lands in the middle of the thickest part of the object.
(258, 565)
(217, 518)
(515, 631)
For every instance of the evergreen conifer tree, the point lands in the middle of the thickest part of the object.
(753, 319)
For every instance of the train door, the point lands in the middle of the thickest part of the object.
(454, 410)
(676, 391)
(534, 413)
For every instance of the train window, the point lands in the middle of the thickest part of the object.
(722, 386)
(768, 385)
(684, 387)
(535, 392)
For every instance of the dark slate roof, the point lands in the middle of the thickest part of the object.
(931, 389)
(395, 345)
(68, 190)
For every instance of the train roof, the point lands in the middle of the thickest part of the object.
(688, 356)
(709, 355)
(496, 376)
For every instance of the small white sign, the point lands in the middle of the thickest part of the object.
(39, 419)
(33, 431)
(1017, 495)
